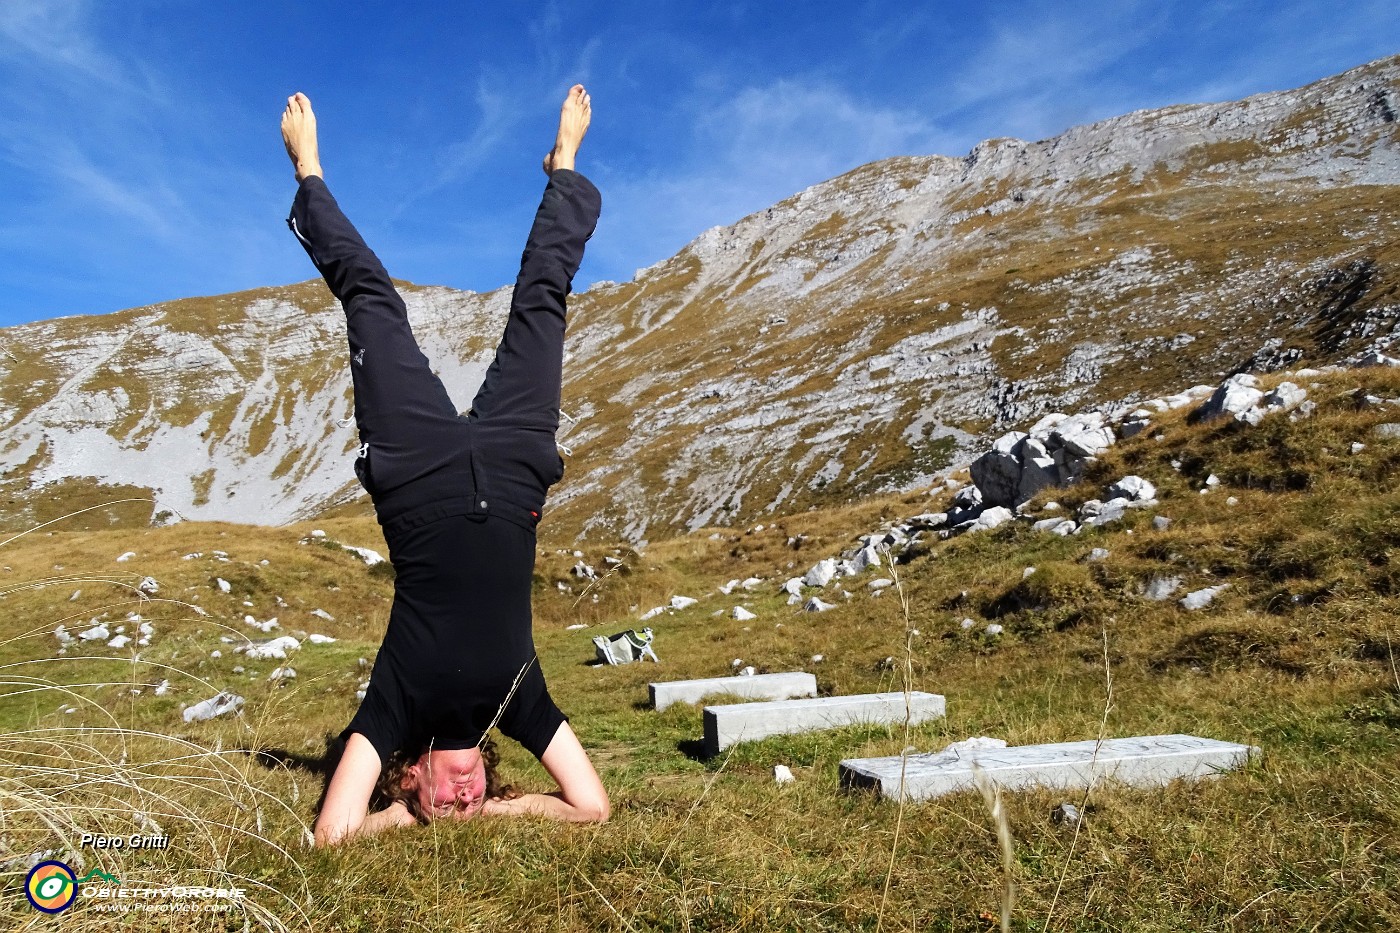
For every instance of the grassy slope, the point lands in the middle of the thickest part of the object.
(1295, 657)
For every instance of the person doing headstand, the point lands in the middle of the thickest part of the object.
(458, 497)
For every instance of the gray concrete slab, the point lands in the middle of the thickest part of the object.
(747, 722)
(1140, 761)
(782, 686)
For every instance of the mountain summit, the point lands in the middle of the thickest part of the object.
(861, 336)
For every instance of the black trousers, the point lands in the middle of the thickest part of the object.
(458, 496)
(419, 458)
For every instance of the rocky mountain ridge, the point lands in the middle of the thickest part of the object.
(861, 336)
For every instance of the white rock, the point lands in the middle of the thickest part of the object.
(123, 558)
(994, 517)
(121, 641)
(223, 585)
(818, 658)
(1232, 501)
(793, 587)
(816, 605)
(365, 554)
(575, 627)
(994, 629)
(1212, 480)
(277, 649)
(319, 639)
(742, 614)
(1161, 588)
(1161, 522)
(880, 584)
(62, 635)
(162, 688)
(217, 705)
(323, 614)
(1200, 599)
(782, 774)
(149, 586)
(147, 628)
(748, 671)
(282, 673)
(728, 588)
(96, 633)
(652, 613)
(821, 574)
(317, 533)
(866, 557)
(1132, 488)
(1098, 554)
(1357, 447)
(750, 583)
(682, 602)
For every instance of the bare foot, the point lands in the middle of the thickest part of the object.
(574, 117)
(299, 136)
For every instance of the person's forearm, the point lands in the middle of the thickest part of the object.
(331, 832)
(547, 805)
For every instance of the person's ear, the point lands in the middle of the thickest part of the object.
(410, 777)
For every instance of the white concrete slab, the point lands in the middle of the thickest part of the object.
(747, 722)
(781, 686)
(1140, 761)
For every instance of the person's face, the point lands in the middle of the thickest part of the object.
(450, 784)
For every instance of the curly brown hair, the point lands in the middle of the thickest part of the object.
(391, 786)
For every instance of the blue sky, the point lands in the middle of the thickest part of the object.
(140, 159)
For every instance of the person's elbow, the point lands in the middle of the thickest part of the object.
(596, 810)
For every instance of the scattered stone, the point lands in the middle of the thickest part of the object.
(880, 584)
(1133, 488)
(1098, 554)
(121, 641)
(584, 571)
(323, 614)
(1161, 589)
(317, 533)
(1389, 431)
(575, 627)
(1236, 397)
(652, 613)
(216, 653)
(162, 688)
(223, 585)
(821, 574)
(277, 649)
(123, 558)
(782, 774)
(816, 605)
(1161, 522)
(149, 586)
(742, 614)
(682, 602)
(728, 588)
(96, 633)
(1200, 599)
(747, 722)
(994, 629)
(1066, 814)
(793, 587)
(991, 518)
(61, 633)
(282, 673)
(967, 624)
(1212, 480)
(818, 658)
(223, 702)
(751, 583)
(1232, 501)
(318, 639)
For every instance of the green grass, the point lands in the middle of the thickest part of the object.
(1296, 657)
